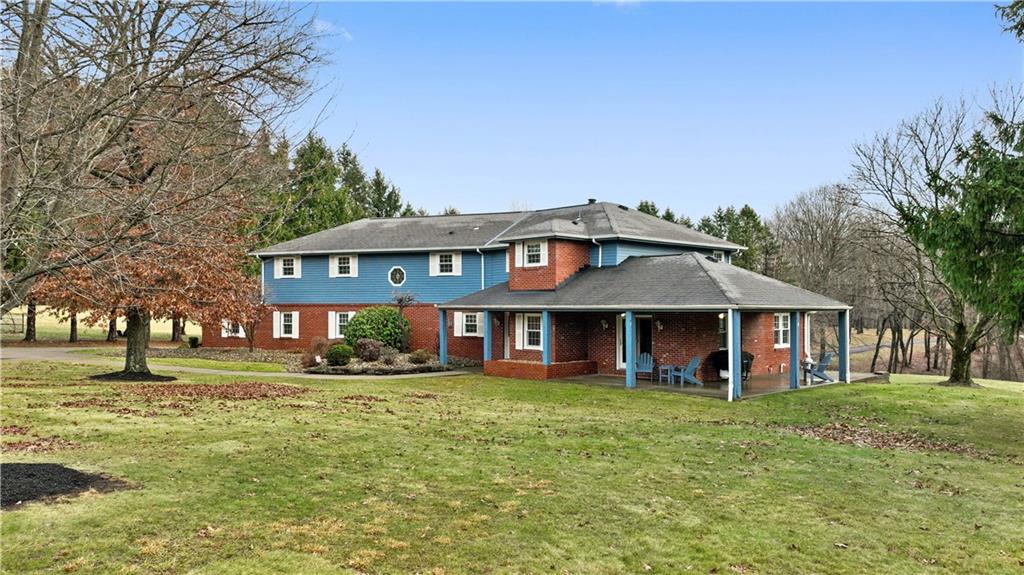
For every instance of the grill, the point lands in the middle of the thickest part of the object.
(720, 360)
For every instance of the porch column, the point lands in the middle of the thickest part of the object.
(844, 346)
(630, 335)
(545, 337)
(487, 335)
(735, 355)
(442, 333)
(794, 350)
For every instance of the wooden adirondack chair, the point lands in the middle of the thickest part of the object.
(818, 371)
(687, 374)
(645, 364)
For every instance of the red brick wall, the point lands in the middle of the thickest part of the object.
(535, 370)
(565, 257)
(569, 333)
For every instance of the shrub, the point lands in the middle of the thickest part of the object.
(368, 349)
(339, 354)
(318, 347)
(420, 356)
(193, 341)
(389, 355)
(381, 323)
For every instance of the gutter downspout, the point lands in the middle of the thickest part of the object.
(482, 267)
(600, 251)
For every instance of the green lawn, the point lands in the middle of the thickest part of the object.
(481, 475)
(154, 362)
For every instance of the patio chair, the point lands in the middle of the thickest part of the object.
(645, 364)
(818, 371)
(687, 374)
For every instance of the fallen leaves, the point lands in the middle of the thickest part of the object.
(863, 436)
(252, 390)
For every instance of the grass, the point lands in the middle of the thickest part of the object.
(50, 328)
(226, 365)
(481, 475)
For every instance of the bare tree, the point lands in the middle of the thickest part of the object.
(108, 107)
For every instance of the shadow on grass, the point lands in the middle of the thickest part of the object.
(23, 482)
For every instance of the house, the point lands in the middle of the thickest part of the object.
(543, 294)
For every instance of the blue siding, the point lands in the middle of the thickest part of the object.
(372, 285)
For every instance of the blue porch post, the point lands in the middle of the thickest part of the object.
(844, 345)
(487, 336)
(545, 337)
(794, 349)
(442, 332)
(630, 336)
(735, 356)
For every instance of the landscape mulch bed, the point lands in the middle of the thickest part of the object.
(24, 482)
(869, 437)
(229, 391)
(131, 376)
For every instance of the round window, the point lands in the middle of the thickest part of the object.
(396, 276)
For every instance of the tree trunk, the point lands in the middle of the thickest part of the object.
(986, 351)
(878, 343)
(112, 326)
(137, 334)
(927, 351)
(175, 328)
(30, 321)
(73, 336)
(960, 358)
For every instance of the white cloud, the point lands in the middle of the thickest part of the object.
(328, 27)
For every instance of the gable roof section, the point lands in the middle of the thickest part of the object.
(599, 220)
(677, 282)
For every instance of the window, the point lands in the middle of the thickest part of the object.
(781, 330)
(342, 323)
(445, 264)
(344, 267)
(396, 276)
(533, 332)
(533, 254)
(718, 255)
(231, 329)
(469, 325)
(288, 267)
(288, 324)
(723, 331)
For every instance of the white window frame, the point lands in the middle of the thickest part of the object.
(279, 324)
(296, 267)
(780, 328)
(471, 320)
(405, 276)
(456, 263)
(450, 263)
(353, 266)
(459, 322)
(334, 327)
(723, 331)
(719, 255)
(521, 255)
(527, 254)
(227, 329)
(526, 331)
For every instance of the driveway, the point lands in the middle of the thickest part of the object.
(64, 354)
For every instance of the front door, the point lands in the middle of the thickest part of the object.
(644, 337)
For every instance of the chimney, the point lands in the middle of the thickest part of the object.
(591, 200)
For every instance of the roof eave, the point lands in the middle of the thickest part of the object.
(642, 308)
(269, 253)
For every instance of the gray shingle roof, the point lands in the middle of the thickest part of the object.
(600, 220)
(685, 281)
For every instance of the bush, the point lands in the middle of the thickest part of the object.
(420, 356)
(339, 354)
(368, 349)
(193, 341)
(381, 323)
(318, 347)
(389, 355)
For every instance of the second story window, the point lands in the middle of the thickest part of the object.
(445, 264)
(344, 266)
(396, 276)
(287, 267)
(533, 254)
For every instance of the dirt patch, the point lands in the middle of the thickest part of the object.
(363, 399)
(14, 430)
(424, 395)
(87, 403)
(879, 439)
(35, 481)
(232, 391)
(131, 376)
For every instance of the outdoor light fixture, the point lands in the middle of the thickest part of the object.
(721, 316)
(604, 324)
(659, 325)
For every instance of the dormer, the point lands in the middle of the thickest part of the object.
(544, 263)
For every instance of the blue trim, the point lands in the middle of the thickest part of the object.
(736, 369)
(844, 345)
(545, 337)
(487, 336)
(794, 350)
(630, 335)
(442, 331)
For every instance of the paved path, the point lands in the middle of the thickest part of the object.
(64, 354)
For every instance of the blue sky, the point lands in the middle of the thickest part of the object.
(489, 107)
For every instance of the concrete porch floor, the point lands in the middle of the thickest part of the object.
(756, 386)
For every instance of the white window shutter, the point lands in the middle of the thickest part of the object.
(434, 265)
(332, 266)
(295, 324)
(298, 267)
(480, 324)
(224, 328)
(354, 265)
(277, 268)
(332, 325)
(519, 331)
(506, 260)
(543, 252)
(277, 324)
(457, 263)
(458, 323)
(241, 330)
(519, 254)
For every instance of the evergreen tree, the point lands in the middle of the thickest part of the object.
(647, 207)
(353, 180)
(668, 215)
(744, 227)
(450, 211)
(383, 199)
